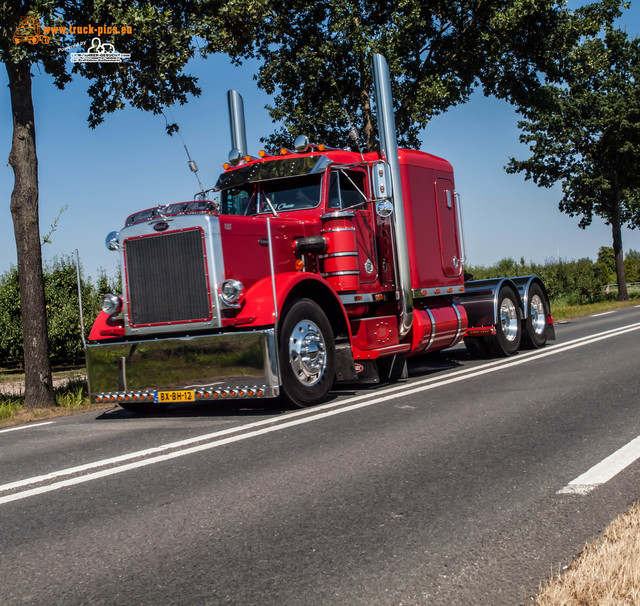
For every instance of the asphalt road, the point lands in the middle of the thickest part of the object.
(444, 489)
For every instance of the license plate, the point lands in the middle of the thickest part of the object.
(185, 395)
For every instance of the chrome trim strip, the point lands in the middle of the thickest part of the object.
(363, 298)
(350, 253)
(335, 229)
(340, 273)
(433, 329)
(339, 214)
(455, 308)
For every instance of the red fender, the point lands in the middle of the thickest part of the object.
(258, 307)
(106, 327)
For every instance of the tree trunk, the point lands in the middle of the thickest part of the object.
(24, 210)
(616, 232)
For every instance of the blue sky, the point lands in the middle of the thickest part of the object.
(129, 163)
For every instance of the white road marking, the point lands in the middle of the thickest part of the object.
(604, 313)
(258, 428)
(28, 426)
(605, 470)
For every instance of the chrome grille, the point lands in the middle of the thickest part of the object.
(167, 278)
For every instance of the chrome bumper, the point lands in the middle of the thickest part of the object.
(227, 365)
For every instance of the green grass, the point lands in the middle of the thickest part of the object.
(72, 397)
(563, 310)
(9, 405)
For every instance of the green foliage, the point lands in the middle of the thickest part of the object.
(607, 257)
(10, 318)
(73, 394)
(316, 55)
(632, 266)
(585, 134)
(9, 405)
(63, 315)
(574, 282)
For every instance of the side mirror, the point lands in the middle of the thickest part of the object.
(381, 181)
(112, 241)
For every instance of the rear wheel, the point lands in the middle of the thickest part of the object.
(537, 322)
(508, 335)
(306, 351)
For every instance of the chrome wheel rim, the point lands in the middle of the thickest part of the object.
(509, 319)
(307, 353)
(537, 314)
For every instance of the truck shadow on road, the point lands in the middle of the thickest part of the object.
(240, 408)
(418, 367)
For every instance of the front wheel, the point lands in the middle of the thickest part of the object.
(306, 351)
(508, 335)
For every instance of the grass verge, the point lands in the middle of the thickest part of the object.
(606, 573)
(71, 398)
(564, 311)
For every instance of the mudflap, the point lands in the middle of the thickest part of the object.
(393, 368)
(345, 367)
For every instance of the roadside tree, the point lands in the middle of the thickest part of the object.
(161, 39)
(585, 134)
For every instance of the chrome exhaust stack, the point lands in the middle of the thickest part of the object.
(237, 124)
(389, 153)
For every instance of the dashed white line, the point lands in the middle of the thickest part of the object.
(605, 470)
(604, 313)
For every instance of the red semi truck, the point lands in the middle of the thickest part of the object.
(310, 268)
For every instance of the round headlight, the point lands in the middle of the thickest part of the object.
(111, 304)
(231, 292)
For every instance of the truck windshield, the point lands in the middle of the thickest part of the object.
(296, 193)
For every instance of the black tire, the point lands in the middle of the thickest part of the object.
(508, 335)
(306, 352)
(144, 408)
(536, 326)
